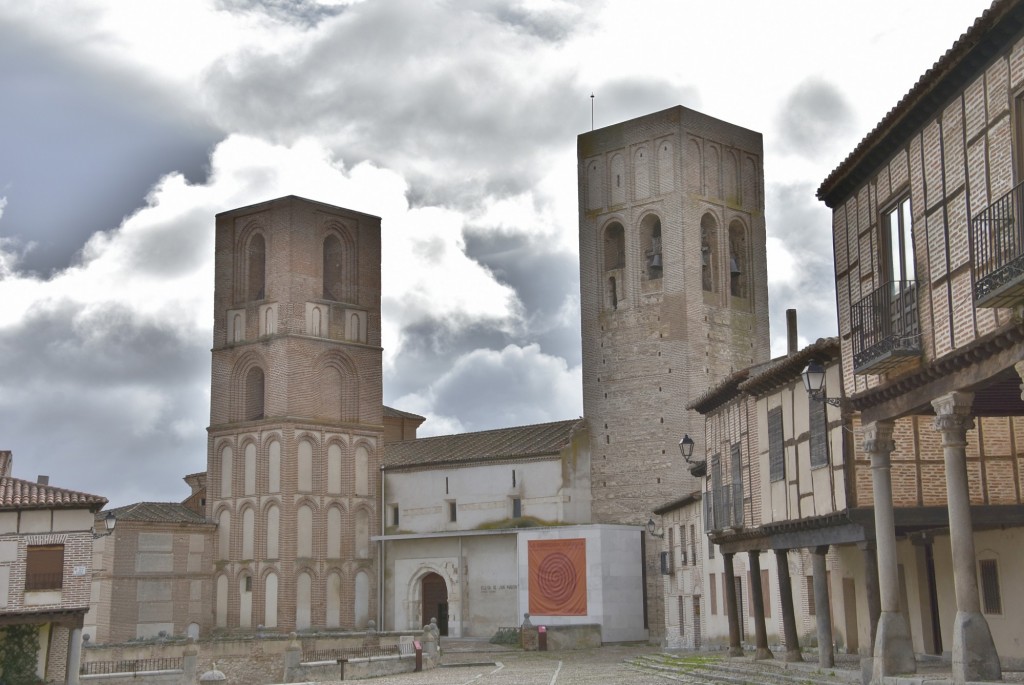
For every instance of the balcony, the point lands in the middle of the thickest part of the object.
(997, 245)
(724, 509)
(886, 330)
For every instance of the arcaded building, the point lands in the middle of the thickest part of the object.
(673, 297)
(929, 259)
(296, 425)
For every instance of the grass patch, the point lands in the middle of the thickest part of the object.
(521, 522)
(691, 660)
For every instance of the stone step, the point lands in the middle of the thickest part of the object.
(702, 668)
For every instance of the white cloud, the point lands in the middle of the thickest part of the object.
(117, 328)
(484, 389)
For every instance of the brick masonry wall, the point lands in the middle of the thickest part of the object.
(994, 463)
(118, 610)
(306, 377)
(76, 590)
(667, 340)
(953, 167)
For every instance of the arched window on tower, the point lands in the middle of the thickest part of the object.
(737, 259)
(257, 268)
(650, 236)
(332, 277)
(614, 247)
(614, 261)
(254, 394)
(707, 252)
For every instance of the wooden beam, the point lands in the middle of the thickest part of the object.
(918, 400)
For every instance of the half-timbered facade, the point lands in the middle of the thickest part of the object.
(928, 234)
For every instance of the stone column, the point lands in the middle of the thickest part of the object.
(894, 652)
(731, 609)
(757, 598)
(788, 616)
(74, 656)
(974, 653)
(867, 549)
(822, 610)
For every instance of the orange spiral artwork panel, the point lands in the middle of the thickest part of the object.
(558, 577)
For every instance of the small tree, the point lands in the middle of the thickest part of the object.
(19, 653)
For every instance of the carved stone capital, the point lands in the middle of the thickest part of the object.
(953, 417)
(1019, 368)
(878, 440)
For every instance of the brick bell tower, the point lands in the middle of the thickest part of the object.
(673, 298)
(295, 434)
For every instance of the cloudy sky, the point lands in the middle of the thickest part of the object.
(125, 126)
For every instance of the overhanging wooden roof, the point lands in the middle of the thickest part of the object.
(990, 34)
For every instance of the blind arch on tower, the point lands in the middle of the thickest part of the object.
(339, 274)
(339, 386)
(248, 387)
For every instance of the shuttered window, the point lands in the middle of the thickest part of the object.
(990, 597)
(713, 594)
(776, 446)
(819, 435)
(44, 568)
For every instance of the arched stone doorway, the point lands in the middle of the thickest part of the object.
(435, 601)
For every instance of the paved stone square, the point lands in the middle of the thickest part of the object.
(602, 665)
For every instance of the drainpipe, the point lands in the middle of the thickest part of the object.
(380, 555)
(462, 589)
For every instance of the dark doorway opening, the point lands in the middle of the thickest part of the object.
(933, 599)
(435, 601)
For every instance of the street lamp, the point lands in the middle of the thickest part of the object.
(814, 383)
(652, 528)
(109, 521)
(698, 467)
(686, 448)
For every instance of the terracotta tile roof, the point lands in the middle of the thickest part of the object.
(519, 442)
(761, 378)
(24, 494)
(989, 35)
(679, 502)
(787, 369)
(717, 395)
(157, 512)
(398, 413)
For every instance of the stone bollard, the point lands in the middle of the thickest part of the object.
(431, 646)
(213, 676)
(371, 640)
(528, 636)
(292, 659)
(190, 662)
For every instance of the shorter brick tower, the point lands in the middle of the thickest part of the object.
(295, 434)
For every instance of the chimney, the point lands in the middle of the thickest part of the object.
(43, 480)
(6, 463)
(791, 343)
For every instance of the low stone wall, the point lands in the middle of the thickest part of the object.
(355, 669)
(562, 638)
(255, 660)
(141, 678)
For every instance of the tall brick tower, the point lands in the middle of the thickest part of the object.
(673, 298)
(296, 432)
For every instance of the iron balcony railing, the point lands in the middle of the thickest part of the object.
(886, 328)
(997, 246)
